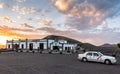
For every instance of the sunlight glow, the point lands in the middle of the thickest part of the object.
(3, 39)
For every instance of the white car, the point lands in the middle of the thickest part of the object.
(96, 57)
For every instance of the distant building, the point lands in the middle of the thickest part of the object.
(54, 43)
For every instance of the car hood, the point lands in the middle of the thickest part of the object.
(109, 57)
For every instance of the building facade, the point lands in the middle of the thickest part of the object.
(40, 44)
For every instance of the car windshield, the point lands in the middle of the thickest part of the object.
(100, 53)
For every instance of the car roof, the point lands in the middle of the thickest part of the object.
(92, 52)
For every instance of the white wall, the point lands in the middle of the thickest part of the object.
(10, 45)
(37, 42)
(72, 46)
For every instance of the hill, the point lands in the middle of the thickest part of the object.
(106, 48)
(108, 45)
(55, 37)
(89, 46)
(70, 40)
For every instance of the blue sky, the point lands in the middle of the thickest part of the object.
(89, 21)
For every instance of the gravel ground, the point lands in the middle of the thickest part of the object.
(35, 63)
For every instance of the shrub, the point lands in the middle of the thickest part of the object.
(50, 51)
(118, 45)
(40, 51)
(61, 52)
(33, 51)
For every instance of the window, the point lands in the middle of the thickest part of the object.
(95, 54)
(69, 48)
(89, 54)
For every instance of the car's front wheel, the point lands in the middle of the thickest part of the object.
(84, 59)
(107, 61)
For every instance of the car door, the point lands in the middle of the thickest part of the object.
(89, 56)
(96, 57)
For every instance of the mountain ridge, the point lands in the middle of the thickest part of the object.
(84, 45)
(108, 45)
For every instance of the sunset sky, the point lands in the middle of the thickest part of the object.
(92, 21)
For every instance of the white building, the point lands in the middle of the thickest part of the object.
(60, 44)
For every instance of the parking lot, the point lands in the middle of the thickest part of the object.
(36, 63)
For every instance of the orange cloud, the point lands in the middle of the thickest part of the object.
(62, 5)
(7, 33)
(12, 32)
(7, 19)
(1, 5)
(32, 10)
(18, 33)
(45, 21)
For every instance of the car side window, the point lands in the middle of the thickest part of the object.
(95, 54)
(89, 54)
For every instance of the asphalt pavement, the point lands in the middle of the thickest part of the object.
(36, 63)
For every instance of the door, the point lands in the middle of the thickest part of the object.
(96, 57)
(41, 46)
(89, 56)
(31, 46)
(56, 48)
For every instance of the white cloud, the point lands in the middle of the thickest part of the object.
(23, 10)
(25, 25)
(20, 1)
(104, 24)
(105, 35)
(86, 14)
